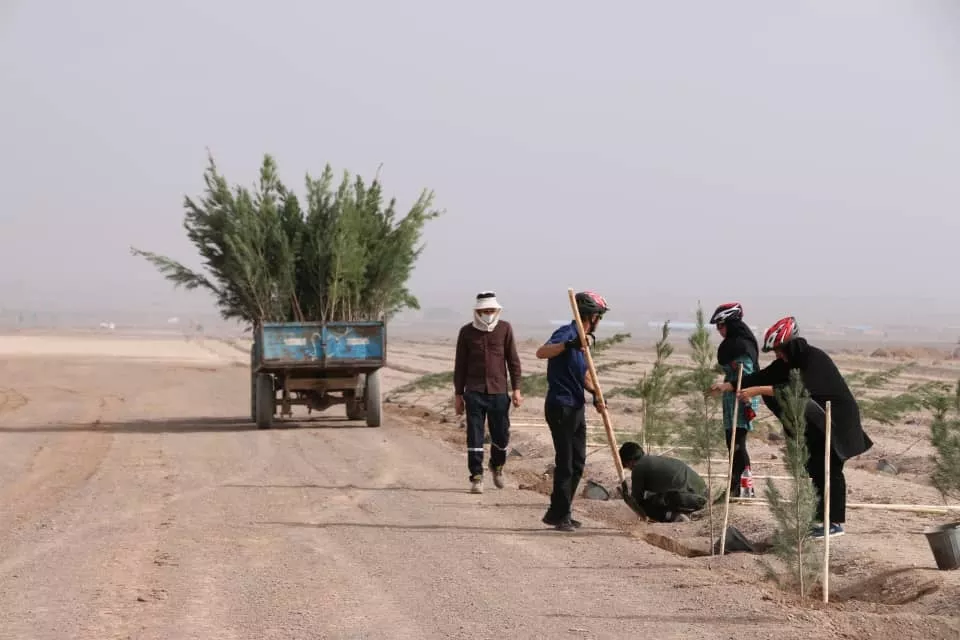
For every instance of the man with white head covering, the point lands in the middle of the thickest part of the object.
(486, 351)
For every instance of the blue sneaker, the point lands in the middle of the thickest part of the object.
(816, 532)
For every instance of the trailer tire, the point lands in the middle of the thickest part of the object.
(266, 401)
(355, 410)
(372, 399)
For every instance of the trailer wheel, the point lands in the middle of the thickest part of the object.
(355, 410)
(266, 401)
(372, 399)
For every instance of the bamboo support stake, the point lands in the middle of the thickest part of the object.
(592, 370)
(908, 508)
(827, 520)
(760, 477)
(733, 446)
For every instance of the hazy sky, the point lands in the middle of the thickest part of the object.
(658, 152)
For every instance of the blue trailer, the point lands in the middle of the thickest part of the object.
(317, 365)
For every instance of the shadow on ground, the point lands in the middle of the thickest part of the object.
(347, 487)
(445, 528)
(680, 618)
(187, 425)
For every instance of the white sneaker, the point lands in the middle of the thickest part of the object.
(476, 484)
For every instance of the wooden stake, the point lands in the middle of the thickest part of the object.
(733, 446)
(827, 520)
(909, 508)
(592, 370)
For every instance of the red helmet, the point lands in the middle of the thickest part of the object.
(727, 311)
(590, 303)
(783, 331)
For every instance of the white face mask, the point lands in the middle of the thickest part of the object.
(487, 318)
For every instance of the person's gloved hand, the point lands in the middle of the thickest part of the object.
(574, 343)
(596, 402)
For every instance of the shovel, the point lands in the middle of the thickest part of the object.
(611, 438)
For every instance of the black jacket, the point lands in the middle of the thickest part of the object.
(660, 474)
(824, 382)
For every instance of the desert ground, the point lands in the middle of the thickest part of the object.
(137, 500)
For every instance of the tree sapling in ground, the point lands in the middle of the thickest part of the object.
(656, 390)
(702, 430)
(795, 510)
(945, 437)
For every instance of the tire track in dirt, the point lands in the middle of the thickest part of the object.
(174, 578)
(62, 464)
(11, 400)
(184, 577)
(149, 568)
(78, 535)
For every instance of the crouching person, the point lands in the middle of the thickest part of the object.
(667, 489)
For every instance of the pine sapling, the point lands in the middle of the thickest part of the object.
(879, 403)
(702, 431)
(945, 437)
(342, 255)
(656, 389)
(795, 513)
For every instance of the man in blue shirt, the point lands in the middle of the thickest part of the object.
(564, 406)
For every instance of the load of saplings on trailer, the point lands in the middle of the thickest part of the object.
(342, 255)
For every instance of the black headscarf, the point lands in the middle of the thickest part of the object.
(796, 352)
(738, 341)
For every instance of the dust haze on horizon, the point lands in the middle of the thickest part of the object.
(799, 157)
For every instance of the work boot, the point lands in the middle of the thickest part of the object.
(476, 484)
(563, 524)
(566, 525)
(817, 531)
(497, 476)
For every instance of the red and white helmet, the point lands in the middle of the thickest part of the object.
(783, 331)
(727, 311)
(590, 303)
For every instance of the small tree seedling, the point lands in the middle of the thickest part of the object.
(656, 389)
(795, 513)
(702, 430)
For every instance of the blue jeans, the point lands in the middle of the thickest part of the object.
(494, 409)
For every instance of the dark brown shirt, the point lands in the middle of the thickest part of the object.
(483, 359)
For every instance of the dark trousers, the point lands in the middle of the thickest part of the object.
(816, 445)
(568, 427)
(664, 507)
(492, 408)
(741, 459)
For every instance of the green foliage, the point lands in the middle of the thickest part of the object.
(795, 512)
(655, 390)
(885, 407)
(532, 384)
(702, 430)
(877, 379)
(428, 382)
(607, 343)
(535, 384)
(346, 256)
(945, 437)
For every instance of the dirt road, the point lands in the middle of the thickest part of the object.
(136, 501)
